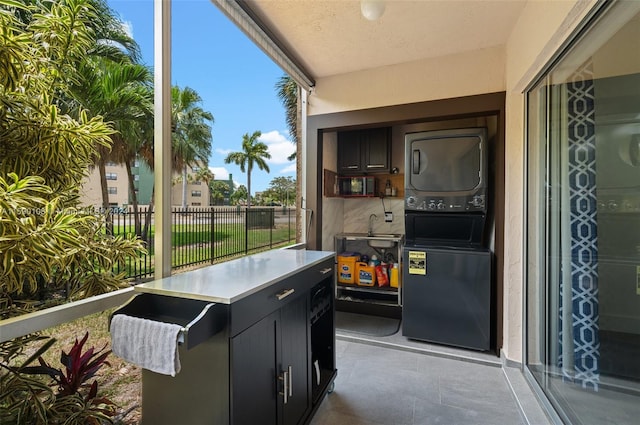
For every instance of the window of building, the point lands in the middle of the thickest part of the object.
(112, 176)
(196, 193)
(196, 183)
(196, 204)
(136, 177)
(583, 224)
(195, 168)
(112, 190)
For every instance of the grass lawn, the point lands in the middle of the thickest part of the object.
(191, 245)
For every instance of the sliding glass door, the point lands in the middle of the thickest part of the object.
(583, 224)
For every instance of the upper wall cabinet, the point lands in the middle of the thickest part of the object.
(364, 151)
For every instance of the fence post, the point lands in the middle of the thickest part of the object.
(246, 230)
(213, 232)
(289, 224)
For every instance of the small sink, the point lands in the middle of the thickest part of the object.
(385, 236)
(383, 240)
(381, 243)
(377, 240)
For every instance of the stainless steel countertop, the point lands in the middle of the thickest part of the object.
(233, 280)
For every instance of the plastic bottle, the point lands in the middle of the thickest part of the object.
(394, 279)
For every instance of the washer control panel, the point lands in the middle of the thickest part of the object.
(415, 202)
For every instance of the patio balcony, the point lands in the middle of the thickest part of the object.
(381, 379)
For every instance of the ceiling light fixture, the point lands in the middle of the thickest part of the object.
(372, 10)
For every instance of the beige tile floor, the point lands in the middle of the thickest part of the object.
(395, 381)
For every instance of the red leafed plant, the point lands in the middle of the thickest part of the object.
(79, 367)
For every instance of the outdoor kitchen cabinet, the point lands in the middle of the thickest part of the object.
(276, 343)
(269, 363)
(364, 151)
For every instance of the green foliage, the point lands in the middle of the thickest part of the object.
(191, 131)
(287, 91)
(46, 242)
(24, 399)
(50, 249)
(239, 195)
(283, 189)
(66, 399)
(219, 191)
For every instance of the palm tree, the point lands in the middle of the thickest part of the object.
(253, 152)
(109, 43)
(122, 94)
(287, 90)
(190, 142)
(219, 191)
(191, 139)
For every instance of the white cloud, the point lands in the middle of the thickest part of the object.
(127, 26)
(279, 147)
(291, 168)
(221, 173)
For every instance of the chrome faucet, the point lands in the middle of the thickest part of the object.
(372, 218)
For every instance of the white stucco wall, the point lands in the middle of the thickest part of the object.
(476, 72)
(541, 30)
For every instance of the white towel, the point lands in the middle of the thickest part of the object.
(149, 344)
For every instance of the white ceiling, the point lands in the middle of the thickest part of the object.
(330, 37)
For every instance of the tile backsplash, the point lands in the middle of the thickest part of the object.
(352, 216)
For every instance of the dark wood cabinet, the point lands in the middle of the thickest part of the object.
(364, 151)
(377, 151)
(254, 395)
(294, 359)
(268, 360)
(349, 152)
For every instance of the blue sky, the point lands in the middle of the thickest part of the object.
(235, 79)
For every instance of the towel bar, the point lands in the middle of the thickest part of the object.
(199, 320)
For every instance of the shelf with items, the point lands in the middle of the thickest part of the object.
(396, 181)
(366, 269)
(331, 185)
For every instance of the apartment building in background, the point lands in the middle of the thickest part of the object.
(198, 194)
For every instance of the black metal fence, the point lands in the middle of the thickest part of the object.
(205, 235)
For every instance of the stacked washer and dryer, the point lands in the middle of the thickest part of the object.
(447, 286)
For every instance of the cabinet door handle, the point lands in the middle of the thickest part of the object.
(325, 271)
(290, 376)
(285, 385)
(284, 294)
(375, 165)
(351, 167)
